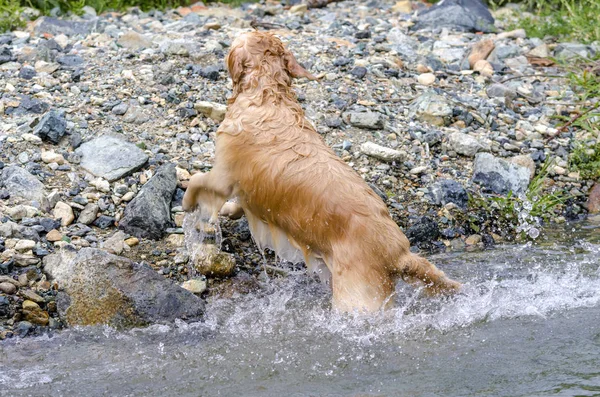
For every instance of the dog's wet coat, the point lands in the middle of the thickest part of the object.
(300, 198)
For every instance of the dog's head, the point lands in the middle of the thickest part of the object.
(256, 54)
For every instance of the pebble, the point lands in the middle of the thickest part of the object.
(426, 78)
(64, 212)
(8, 288)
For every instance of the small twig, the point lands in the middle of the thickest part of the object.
(265, 25)
(573, 119)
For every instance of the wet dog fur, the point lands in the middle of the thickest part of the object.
(299, 197)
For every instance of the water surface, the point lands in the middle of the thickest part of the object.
(527, 324)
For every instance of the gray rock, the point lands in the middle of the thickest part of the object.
(52, 126)
(70, 61)
(134, 41)
(461, 15)
(148, 215)
(57, 26)
(573, 50)
(111, 158)
(504, 51)
(446, 191)
(432, 108)
(500, 176)
(120, 109)
(368, 120)
(88, 214)
(405, 45)
(177, 47)
(464, 144)
(21, 183)
(425, 230)
(101, 288)
(498, 90)
(135, 115)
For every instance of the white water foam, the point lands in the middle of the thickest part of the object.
(295, 305)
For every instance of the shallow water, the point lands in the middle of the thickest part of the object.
(526, 324)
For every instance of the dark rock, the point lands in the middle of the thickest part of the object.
(461, 15)
(212, 72)
(49, 224)
(70, 61)
(333, 122)
(359, 72)
(446, 191)
(425, 230)
(500, 176)
(32, 105)
(104, 221)
(101, 288)
(27, 72)
(363, 34)
(22, 328)
(20, 183)
(52, 126)
(6, 55)
(343, 61)
(56, 26)
(148, 214)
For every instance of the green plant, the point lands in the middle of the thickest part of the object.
(10, 15)
(565, 19)
(585, 158)
(513, 213)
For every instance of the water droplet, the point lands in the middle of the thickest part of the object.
(533, 232)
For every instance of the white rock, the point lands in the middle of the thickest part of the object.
(64, 212)
(426, 78)
(51, 157)
(381, 152)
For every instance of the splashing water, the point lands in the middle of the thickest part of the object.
(525, 324)
(199, 231)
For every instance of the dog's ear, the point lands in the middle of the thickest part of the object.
(294, 68)
(235, 65)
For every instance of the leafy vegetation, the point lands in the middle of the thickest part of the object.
(564, 19)
(10, 15)
(11, 10)
(585, 158)
(517, 213)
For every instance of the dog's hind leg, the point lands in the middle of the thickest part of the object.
(232, 210)
(413, 268)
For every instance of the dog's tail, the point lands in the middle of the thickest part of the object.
(413, 268)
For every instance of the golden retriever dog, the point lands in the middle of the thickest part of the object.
(299, 197)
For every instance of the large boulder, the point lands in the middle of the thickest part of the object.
(101, 288)
(461, 15)
(149, 214)
(20, 183)
(111, 158)
(500, 176)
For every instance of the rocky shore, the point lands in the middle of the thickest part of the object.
(106, 117)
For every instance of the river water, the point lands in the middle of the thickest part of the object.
(526, 324)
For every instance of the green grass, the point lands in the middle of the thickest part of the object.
(11, 10)
(509, 212)
(585, 158)
(571, 20)
(10, 15)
